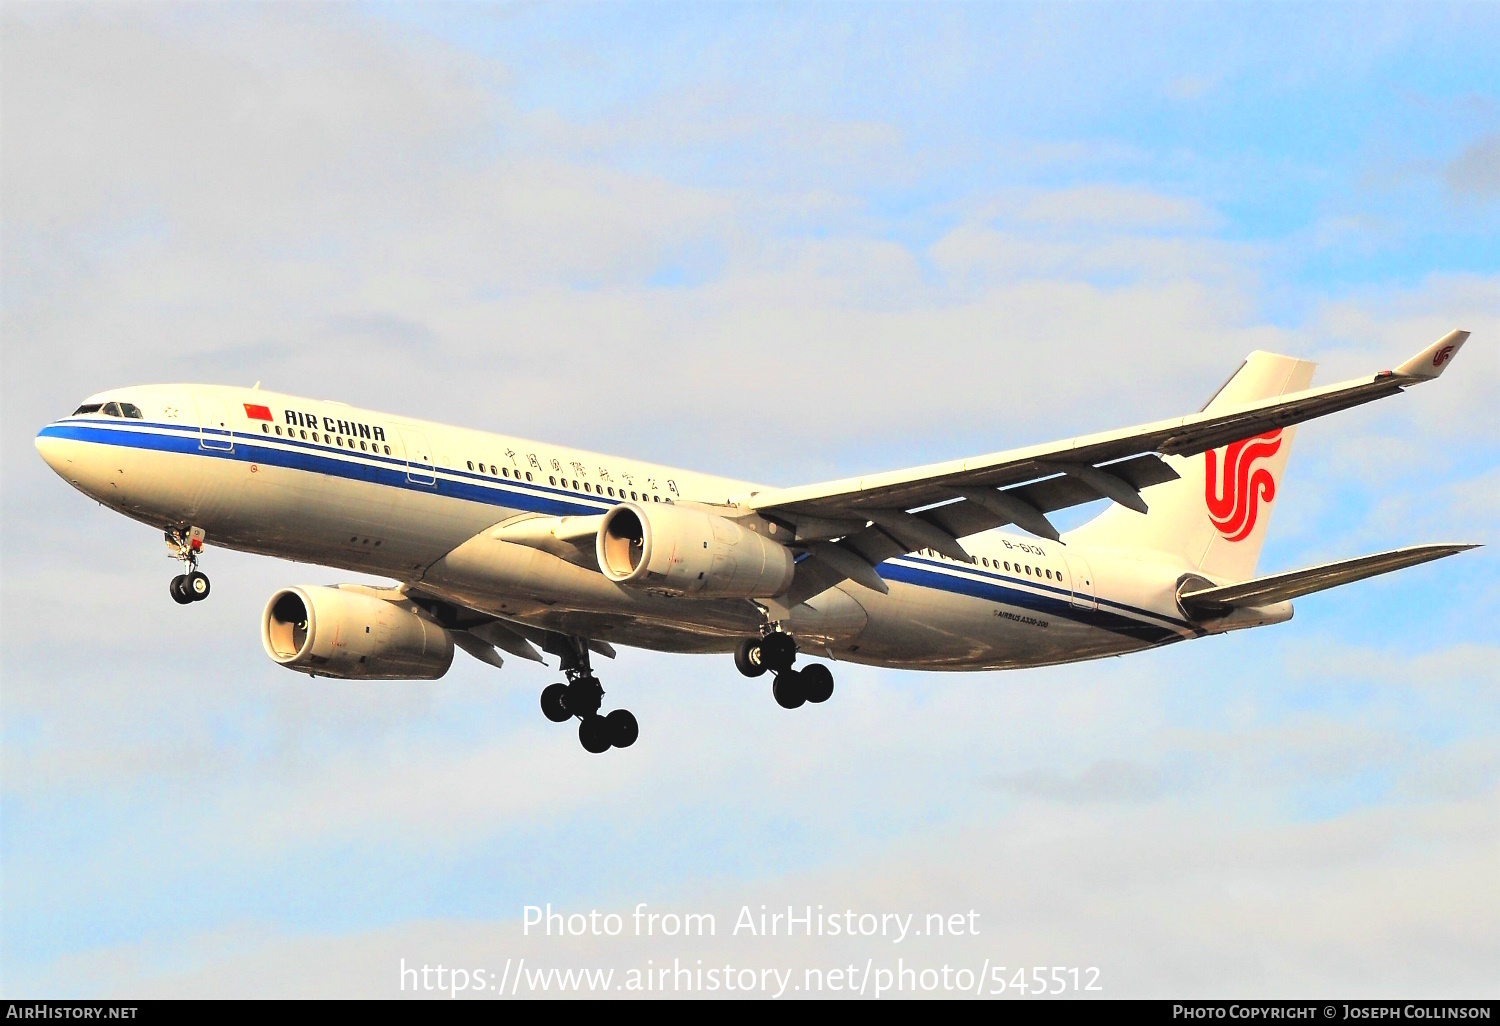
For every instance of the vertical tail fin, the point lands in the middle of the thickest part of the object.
(1215, 516)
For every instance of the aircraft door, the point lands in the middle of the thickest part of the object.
(419, 467)
(1082, 580)
(214, 430)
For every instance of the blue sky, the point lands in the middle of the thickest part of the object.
(785, 243)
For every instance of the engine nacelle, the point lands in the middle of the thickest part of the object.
(352, 633)
(678, 550)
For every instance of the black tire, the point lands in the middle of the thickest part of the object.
(593, 734)
(623, 729)
(788, 690)
(747, 658)
(179, 590)
(584, 697)
(196, 586)
(817, 683)
(778, 651)
(555, 703)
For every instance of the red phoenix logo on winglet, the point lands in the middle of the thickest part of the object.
(1441, 356)
(1234, 498)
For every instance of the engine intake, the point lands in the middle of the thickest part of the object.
(679, 550)
(352, 633)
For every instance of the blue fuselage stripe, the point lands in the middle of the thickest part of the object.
(1004, 592)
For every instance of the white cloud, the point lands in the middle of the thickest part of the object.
(1162, 901)
(1475, 173)
(1112, 206)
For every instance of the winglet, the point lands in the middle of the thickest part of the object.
(1430, 362)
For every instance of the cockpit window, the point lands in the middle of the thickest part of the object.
(132, 411)
(87, 408)
(112, 409)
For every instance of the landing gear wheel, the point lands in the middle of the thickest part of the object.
(593, 734)
(179, 591)
(555, 703)
(584, 696)
(817, 683)
(748, 659)
(778, 651)
(788, 690)
(196, 586)
(581, 695)
(623, 730)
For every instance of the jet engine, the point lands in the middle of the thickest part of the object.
(353, 633)
(688, 552)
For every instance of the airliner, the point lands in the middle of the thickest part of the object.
(501, 545)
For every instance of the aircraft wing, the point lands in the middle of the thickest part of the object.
(482, 634)
(1260, 591)
(880, 516)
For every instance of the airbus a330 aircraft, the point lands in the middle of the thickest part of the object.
(504, 544)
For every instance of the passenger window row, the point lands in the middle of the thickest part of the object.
(602, 490)
(1026, 569)
(128, 410)
(339, 440)
(376, 447)
(502, 472)
(996, 564)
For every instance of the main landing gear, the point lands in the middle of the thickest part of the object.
(776, 651)
(192, 584)
(582, 696)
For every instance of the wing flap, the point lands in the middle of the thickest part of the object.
(1283, 411)
(849, 564)
(481, 650)
(880, 516)
(873, 545)
(1182, 436)
(500, 634)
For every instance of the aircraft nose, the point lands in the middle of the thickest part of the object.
(66, 457)
(52, 451)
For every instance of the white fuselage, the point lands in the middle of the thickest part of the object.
(325, 483)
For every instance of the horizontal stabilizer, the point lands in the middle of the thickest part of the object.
(1294, 583)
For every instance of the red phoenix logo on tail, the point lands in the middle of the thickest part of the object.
(1234, 497)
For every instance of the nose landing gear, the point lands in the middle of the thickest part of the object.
(189, 587)
(581, 696)
(192, 584)
(776, 651)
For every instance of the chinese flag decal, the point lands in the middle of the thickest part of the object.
(257, 412)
